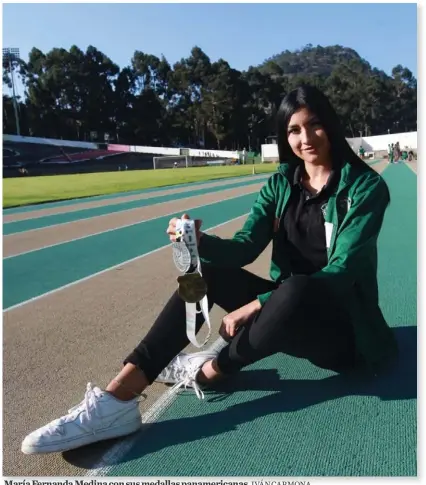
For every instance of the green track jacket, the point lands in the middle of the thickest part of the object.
(353, 220)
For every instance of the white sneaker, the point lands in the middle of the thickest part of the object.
(98, 417)
(183, 369)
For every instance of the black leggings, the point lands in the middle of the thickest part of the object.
(300, 318)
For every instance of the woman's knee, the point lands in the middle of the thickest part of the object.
(290, 294)
(296, 283)
(283, 315)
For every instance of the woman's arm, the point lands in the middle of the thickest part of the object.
(357, 235)
(249, 242)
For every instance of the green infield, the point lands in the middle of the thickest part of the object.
(34, 190)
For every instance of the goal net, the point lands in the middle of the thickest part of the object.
(172, 161)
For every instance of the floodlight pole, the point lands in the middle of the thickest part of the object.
(9, 53)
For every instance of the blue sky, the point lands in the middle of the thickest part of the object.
(242, 34)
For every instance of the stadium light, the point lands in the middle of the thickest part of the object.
(11, 54)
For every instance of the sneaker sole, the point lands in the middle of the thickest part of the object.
(109, 433)
(166, 381)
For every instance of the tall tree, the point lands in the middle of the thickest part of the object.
(197, 102)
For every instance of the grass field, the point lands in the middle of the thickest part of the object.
(34, 190)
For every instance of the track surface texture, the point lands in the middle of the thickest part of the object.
(81, 291)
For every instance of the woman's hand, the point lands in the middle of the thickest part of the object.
(236, 319)
(171, 230)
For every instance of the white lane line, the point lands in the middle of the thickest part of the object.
(196, 188)
(128, 199)
(103, 215)
(95, 198)
(115, 228)
(131, 198)
(410, 166)
(115, 454)
(86, 278)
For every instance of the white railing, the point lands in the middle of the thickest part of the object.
(381, 142)
(269, 151)
(123, 148)
(369, 143)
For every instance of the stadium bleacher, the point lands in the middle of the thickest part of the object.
(40, 159)
(35, 159)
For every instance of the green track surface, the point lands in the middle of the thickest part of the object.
(284, 417)
(35, 273)
(46, 221)
(281, 416)
(85, 200)
(33, 190)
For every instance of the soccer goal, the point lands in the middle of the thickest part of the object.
(172, 161)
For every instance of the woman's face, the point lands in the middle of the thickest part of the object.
(307, 138)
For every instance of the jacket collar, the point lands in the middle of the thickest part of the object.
(332, 181)
(348, 173)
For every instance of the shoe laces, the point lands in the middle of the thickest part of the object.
(174, 371)
(187, 378)
(89, 404)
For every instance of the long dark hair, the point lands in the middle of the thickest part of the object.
(317, 102)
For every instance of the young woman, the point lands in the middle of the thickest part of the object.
(323, 211)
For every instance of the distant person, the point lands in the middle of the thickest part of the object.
(396, 152)
(323, 210)
(391, 153)
(242, 156)
(361, 152)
